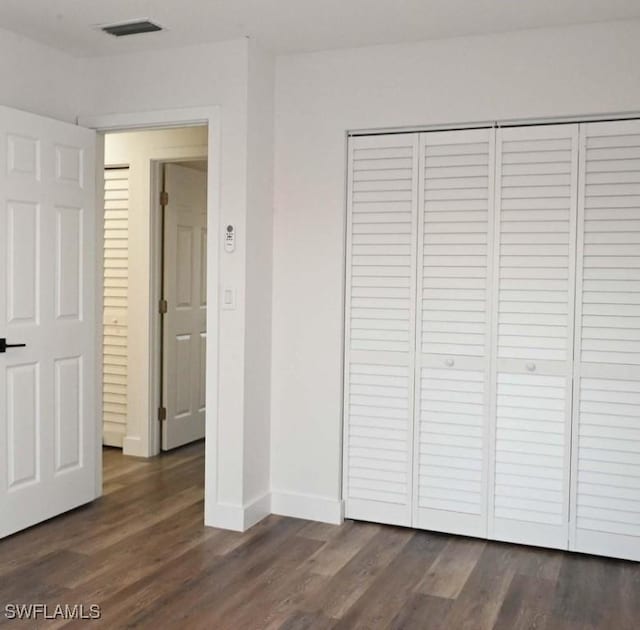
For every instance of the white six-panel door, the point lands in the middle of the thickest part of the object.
(380, 323)
(453, 326)
(48, 423)
(185, 290)
(605, 503)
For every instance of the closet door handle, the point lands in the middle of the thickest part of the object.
(449, 362)
(531, 367)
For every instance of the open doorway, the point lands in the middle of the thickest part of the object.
(154, 309)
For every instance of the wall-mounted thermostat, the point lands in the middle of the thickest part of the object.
(229, 238)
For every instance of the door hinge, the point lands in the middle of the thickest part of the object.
(164, 198)
(163, 307)
(162, 413)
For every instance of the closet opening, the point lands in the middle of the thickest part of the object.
(492, 333)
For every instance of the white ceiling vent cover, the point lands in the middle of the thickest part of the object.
(132, 27)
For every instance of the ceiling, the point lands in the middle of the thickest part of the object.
(286, 26)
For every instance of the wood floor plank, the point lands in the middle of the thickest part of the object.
(135, 557)
(306, 621)
(255, 604)
(627, 595)
(322, 565)
(138, 600)
(229, 574)
(538, 562)
(422, 612)
(348, 585)
(339, 549)
(28, 583)
(479, 602)
(527, 603)
(320, 531)
(587, 591)
(176, 503)
(102, 516)
(143, 554)
(302, 587)
(387, 595)
(451, 570)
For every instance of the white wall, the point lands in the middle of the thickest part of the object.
(259, 235)
(204, 75)
(137, 150)
(577, 70)
(38, 79)
(550, 72)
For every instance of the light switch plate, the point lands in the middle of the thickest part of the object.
(228, 299)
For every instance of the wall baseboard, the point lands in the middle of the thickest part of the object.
(225, 516)
(112, 438)
(236, 517)
(256, 510)
(307, 506)
(132, 445)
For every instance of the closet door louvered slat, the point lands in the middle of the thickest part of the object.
(606, 434)
(450, 443)
(533, 311)
(380, 327)
(115, 325)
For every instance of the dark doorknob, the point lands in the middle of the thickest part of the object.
(4, 345)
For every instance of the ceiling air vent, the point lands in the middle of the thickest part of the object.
(133, 27)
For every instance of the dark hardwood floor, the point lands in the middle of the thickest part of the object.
(142, 553)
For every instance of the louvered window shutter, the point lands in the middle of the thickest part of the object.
(455, 210)
(606, 455)
(536, 195)
(380, 327)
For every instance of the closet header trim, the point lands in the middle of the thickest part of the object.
(508, 122)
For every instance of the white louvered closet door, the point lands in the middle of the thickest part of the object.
(536, 199)
(380, 324)
(453, 326)
(606, 453)
(115, 327)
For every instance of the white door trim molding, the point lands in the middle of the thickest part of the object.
(179, 117)
(211, 116)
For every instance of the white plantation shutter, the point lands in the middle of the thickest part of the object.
(536, 197)
(606, 436)
(380, 320)
(455, 210)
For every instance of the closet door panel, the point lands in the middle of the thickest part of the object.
(455, 209)
(533, 310)
(380, 328)
(606, 455)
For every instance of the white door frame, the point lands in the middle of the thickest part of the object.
(186, 117)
